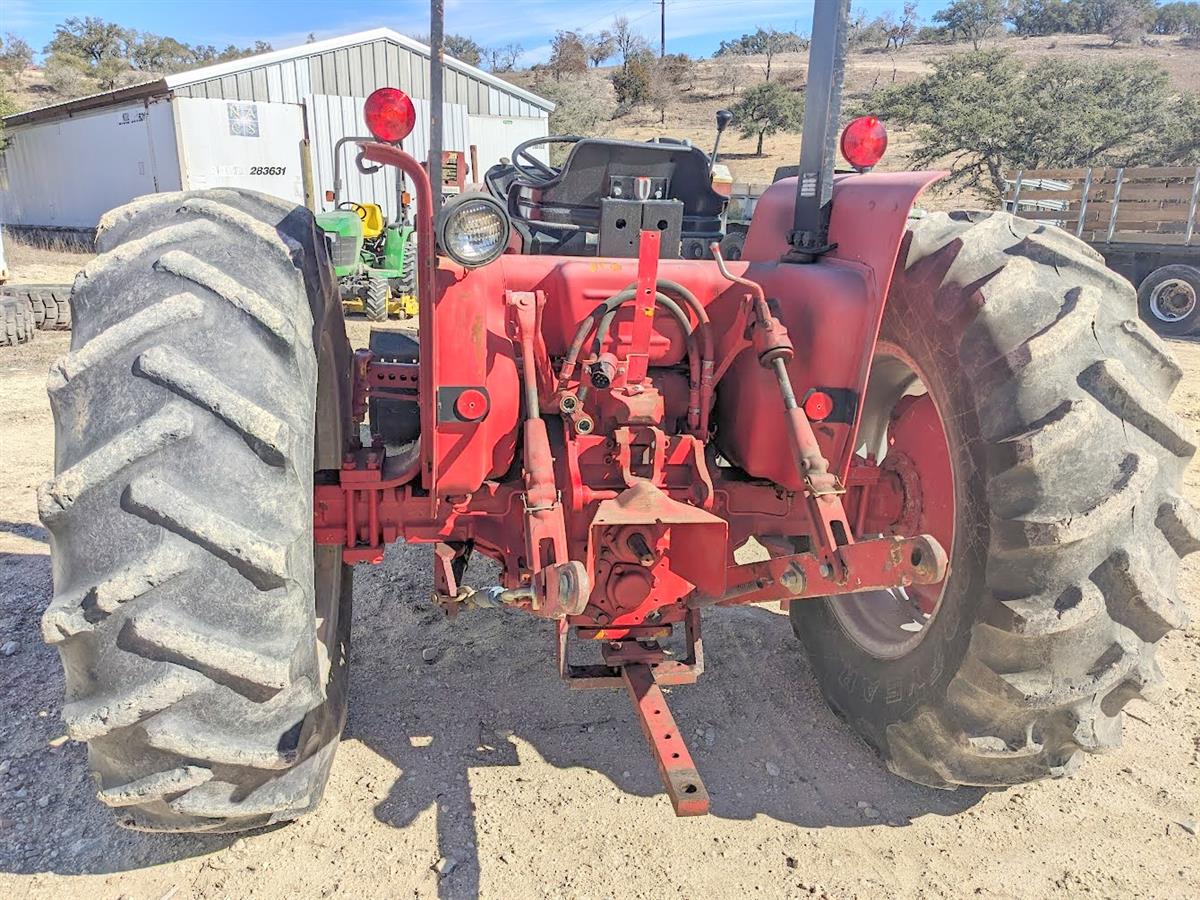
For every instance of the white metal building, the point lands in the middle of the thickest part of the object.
(267, 122)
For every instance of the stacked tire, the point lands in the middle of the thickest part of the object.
(51, 304)
(16, 321)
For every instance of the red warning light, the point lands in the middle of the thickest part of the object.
(864, 142)
(817, 406)
(390, 114)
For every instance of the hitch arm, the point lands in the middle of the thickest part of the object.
(872, 565)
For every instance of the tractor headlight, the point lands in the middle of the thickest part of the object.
(472, 229)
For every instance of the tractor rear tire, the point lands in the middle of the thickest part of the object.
(1070, 520)
(203, 636)
(375, 301)
(16, 321)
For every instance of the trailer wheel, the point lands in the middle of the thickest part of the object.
(16, 321)
(732, 245)
(1169, 299)
(1019, 406)
(203, 636)
(375, 301)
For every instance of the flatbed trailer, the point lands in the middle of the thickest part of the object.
(1144, 221)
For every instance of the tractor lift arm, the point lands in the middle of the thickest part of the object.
(873, 565)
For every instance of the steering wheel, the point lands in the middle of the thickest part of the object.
(357, 207)
(531, 169)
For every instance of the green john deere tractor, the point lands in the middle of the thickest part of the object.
(373, 259)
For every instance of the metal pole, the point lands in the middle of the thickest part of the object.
(662, 29)
(1016, 194)
(437, 61)
(1083, 203)
(822, 106)
(1116, 201)
(1191, 222)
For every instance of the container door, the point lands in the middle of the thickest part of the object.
(243, 144)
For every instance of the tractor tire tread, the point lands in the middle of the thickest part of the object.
(1082, 462)
(375, 300)
(184, 605)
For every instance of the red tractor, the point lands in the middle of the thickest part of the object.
(946, 440)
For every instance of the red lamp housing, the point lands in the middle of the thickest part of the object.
(390, 114)
(818, 405)
(864, 142)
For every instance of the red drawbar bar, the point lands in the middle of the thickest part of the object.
(679, 775)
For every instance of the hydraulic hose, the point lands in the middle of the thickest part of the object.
(699, 344)
(701, 399)
(624, 296)
(704, 326)
(695, 361)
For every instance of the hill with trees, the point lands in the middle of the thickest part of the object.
(983, 86)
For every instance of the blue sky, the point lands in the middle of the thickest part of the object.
(693, 26)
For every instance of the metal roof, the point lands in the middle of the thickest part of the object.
(192, 76)
(155, 88)
(183, 80)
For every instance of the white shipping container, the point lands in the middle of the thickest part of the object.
(251, 123)
(68, 173)
(496, 136)
(228, 143)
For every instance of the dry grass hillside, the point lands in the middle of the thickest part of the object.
(30, 90)
(719, 82)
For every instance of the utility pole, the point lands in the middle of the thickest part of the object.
(662, 29)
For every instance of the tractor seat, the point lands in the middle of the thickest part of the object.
(562, 213)
(373, 220)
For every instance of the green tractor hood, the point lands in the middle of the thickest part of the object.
(346, 229)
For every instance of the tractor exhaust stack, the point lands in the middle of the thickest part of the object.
(437, 66)
(818, 143)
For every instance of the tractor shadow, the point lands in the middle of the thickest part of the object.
(762, 737)
(50, 820)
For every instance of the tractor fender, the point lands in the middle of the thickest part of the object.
(868, 219)
(832, 312)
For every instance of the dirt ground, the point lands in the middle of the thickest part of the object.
(479, 774)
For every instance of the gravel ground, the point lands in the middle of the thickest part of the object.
(478, 773)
